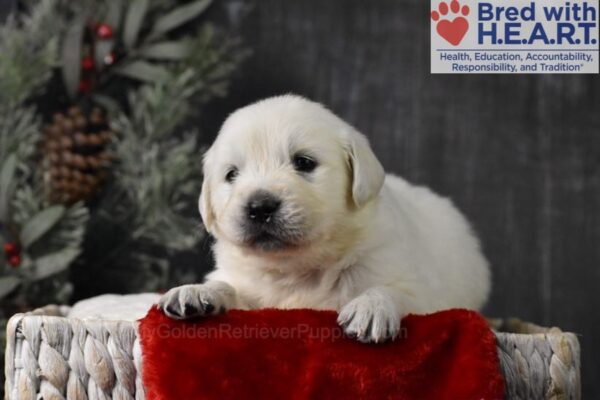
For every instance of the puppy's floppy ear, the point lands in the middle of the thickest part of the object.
(204, 203)
(367, 172)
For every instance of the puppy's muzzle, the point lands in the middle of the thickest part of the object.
(267, 223)
(262, 207)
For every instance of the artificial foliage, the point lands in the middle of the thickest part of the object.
(146, 214)
(99, 175)
(39, 239)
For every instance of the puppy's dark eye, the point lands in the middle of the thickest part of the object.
(231, 175)
(304, 163)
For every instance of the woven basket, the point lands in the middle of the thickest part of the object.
(538, 362)
(52, 357)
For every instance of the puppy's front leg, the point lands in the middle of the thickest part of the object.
(188, 301)
(373, 316)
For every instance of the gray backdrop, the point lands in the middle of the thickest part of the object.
(520, 155)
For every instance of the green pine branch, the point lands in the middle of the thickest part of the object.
(49, 237)
(159, 168)
(157, 179)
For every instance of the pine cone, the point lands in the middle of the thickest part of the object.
(75, 155)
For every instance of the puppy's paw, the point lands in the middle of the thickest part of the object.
(191, 301)
(371, 317)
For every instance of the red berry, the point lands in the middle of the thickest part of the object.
(87, 63)
(10, 248)
(104, 31)
(14, 261)
(85, 85)
(109, 59)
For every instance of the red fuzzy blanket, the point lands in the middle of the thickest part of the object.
(301, 354)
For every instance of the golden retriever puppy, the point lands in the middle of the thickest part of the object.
(305, 217)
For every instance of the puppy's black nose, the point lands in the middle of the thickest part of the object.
(261, 207)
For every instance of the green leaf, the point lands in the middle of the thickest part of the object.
(114, 14)
(178, 17)
(71, 58)
(41, 223)
(133, 22)
(167, 51)
(110, 104)
(8, 284)
(54, 263)
(6, 180)
(143, 71)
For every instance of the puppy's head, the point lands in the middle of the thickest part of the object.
(286, 174)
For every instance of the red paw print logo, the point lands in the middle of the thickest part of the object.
(453, 30)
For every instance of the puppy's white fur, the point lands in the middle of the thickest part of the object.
(369, 245)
